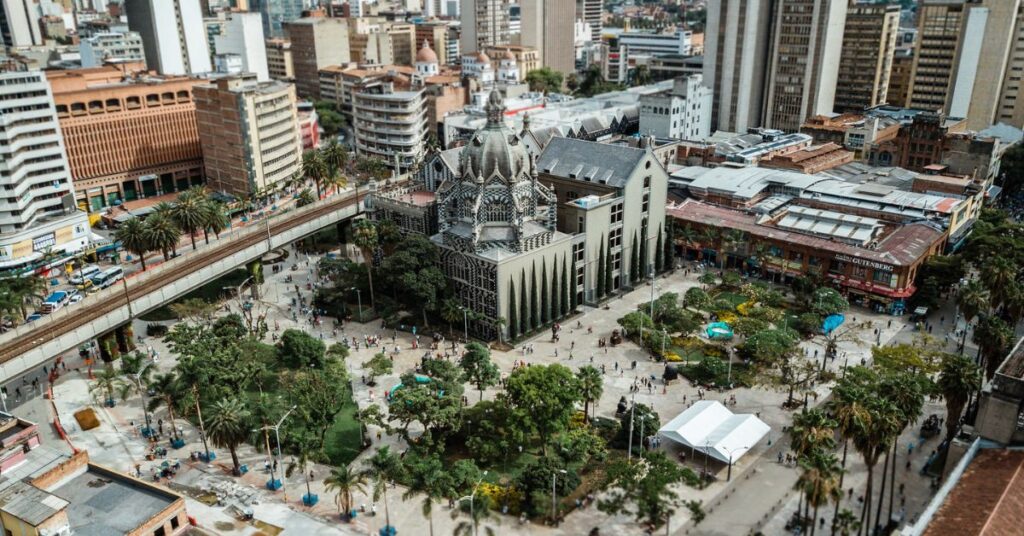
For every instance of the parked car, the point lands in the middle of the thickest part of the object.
(33, 316)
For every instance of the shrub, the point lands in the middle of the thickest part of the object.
(156, 330)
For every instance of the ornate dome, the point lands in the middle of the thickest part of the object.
(495, 149)
(508, 55)
(482, 58)
(426, 54)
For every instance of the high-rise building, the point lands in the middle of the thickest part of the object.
(242, 35)
(111, 47)
(548, 26)
(173, 35)
(249, 133)
(403, 41)
(435, 34)
(962, 56)
(37, 209)
(19, 24)
(279, 60)
(865, 66)
(316, 43)
(899, 77)
(590, 11)
(390, 125)
(484, 24)
(735, 59)
(275, 14)
(127, 136)
(807, 38)
(682, 112)
(1011, 108)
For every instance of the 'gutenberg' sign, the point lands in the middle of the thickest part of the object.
(864, 262)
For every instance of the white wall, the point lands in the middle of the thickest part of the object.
(196, 45)
(242, 34)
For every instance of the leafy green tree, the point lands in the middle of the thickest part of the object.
(696, 298)
(579, 446)
(545, 80)
(479, 369)
(828, 301)
(436, 405)
(132, 236)
(645, 489)
(378, 365)
(645, 423)
(535, 482)
(959, 376)
(591, 387)
(491, 432)
(343, 481)
(707, 279)
(337, 352)
(319, 395)
(543, 398)
(299, 350)
(228, 427)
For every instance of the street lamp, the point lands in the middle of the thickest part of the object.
(553, 501)
(632, 413)
(359, 296)
(465, 321)
(137, 376)
(731, 452)
(652, 312)
(277, 436)
(728, 380)
(470, 497)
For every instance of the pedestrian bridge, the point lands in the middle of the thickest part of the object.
(32, 345)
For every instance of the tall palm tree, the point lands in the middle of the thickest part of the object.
(302, 461)
(162, 233)
(959, 376)
(228, 428)
(304, 197)
(730, 240)
(389, 235)
(906, 389)
(26, 291)
(133, 237)
(1013, 302)
(819, 480)
(499, 324)
(707, 237)
(315, 169)
(996, 275)
(381, 469)
(873, 439)
(591, 388)
(480, 510)
(167, 391)
(973, 300)
(812, 429)
(451, 312)
(335, 157)
(189, 212)
(994, 338)
(109, 382)
(344, 481)
(848, 409)
(434, 483)
(366, 239)
(846, 523)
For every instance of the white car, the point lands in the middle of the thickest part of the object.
(76, 298)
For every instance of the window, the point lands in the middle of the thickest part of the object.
(581, 224)
(615, 238)
(859, 272)
(647, 179)
(796, 256)
(646, 203)
(617, 212)
(617, 261)
(813, 261)
(174, 522)
(159, 532)
(881, 277)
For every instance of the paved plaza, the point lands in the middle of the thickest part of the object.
(759, 496)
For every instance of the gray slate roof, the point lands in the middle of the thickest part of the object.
(30, 504)
(590, 161)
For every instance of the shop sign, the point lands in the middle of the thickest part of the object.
(864, 262)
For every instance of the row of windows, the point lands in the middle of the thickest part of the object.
(130, 102)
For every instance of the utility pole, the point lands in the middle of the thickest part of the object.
(632, 413)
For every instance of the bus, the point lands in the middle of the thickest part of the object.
(108, 277)
(54, 301)
(81, 275)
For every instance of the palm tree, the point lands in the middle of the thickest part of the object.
(848, 410)
(189, 212)
(846, 523)
(314, 168)
(162, 233)
(433, 482)
(344, 481)
(26, 291)
(591, 388)
(959, 376)
(451, 312)
(997, 274)
(819, 480)
(215, 219)
(301, 463)
(1013, 302)
(906, 389)
(687, 234)
(366, 239)
(972, 300)
(873, 439)
(167, 391)
(133, 237)
(389, 235)
(812, 429)
(382, 468)
(109, 382)
(499, 324)
(994, 338)
(730, 240)
(305, 197)
(479, 511)
(227, 427)
(707, 237)
(336, 158)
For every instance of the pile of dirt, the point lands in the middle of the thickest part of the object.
(86, 419)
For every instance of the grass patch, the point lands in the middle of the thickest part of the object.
(210, 292)
(341, 443)
(734, 298)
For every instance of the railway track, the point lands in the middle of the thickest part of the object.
(165, 274)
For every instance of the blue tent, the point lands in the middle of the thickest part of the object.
(832, 322)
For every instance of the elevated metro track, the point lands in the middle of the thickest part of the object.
(32, 345)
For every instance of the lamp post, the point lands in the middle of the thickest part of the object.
(729, 377)
(137, 377)
(651, 314)
(554, 504)
(470, 497)
(632, 413)
(731, 452)
(277, 436)
(465, 322)
(359, 297)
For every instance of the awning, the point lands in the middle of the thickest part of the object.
(709, 427)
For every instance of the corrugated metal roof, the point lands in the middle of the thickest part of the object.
(30, 504)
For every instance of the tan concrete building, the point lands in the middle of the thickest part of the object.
(549, 26)
(1011, 108)
(390, 124)
(279, 60)
(527, 58)
(807, 38)
(373, 48)
(435, 33)
(249, 133)
(316, 43)
(403, 42)
(869, 43)
(899, 77)
(127, 137)
(484, 23)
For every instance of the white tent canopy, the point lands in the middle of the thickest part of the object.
(711, 428)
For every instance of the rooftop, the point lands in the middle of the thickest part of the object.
(29, 503)
(987, 500)
(588, 161)
(103, 502)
